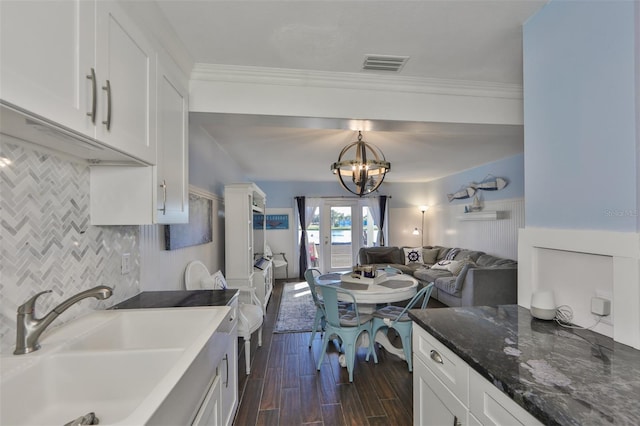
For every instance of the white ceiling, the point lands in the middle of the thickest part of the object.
(474, 40)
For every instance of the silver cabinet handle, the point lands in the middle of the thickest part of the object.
(436, 357)
(164, 197)
(94, 95)
(107, 88)
(226, 362)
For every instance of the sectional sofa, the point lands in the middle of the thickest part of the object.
(462, 277)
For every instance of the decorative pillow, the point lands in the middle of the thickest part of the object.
(443, 265)
(413, 255)
(207, 283)
(453, 266)
(451, 254)
(430, 256)
(219, 282)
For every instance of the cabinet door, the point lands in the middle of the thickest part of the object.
(492, 407)
(126, 81)
(172, 162)
(229, 387)
(209, 413)
(449, 368)
(433, 403)
(46, 54)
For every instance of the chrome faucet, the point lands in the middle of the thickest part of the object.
(30, 328)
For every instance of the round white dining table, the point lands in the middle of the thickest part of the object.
(395, 288)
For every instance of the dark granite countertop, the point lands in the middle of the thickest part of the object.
(177, 298)
(561, 376)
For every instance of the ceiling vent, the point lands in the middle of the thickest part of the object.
(384, 63)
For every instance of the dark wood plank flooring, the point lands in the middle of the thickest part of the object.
(284, 387)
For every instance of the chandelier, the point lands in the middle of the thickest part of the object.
(365, 172)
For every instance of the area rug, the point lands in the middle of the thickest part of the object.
(297, 310)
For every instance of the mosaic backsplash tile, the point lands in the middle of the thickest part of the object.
(47, 242)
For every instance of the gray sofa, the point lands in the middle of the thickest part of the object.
(478, 279)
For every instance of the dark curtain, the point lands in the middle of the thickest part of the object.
(302, 263)
(383, 208)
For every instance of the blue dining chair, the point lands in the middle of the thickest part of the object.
(397, 317)
(310, 275)
(347, 325)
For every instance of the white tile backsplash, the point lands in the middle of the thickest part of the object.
(47, 242)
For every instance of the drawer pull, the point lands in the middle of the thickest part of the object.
(436, 357)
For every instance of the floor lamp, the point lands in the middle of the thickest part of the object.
(423, 209)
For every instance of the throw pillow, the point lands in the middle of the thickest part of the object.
(412, 255)
(456, 266)
(429, 256)
(207, 283)
(219, 282)
(443, 265)
(453, 266)
(451, 254)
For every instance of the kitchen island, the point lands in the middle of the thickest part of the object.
(558, 375)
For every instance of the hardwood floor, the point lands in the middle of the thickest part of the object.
(284, 387)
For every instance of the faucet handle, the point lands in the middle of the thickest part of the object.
(28, 307)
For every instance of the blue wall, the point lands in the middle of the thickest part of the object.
(580, 116)
(210, 167)
(280, 194)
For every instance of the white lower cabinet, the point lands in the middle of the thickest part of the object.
(263, 283)
(447, 392)
(221, 400)
(433, 403)
(209, 413)
(492, 407)
(229, 386)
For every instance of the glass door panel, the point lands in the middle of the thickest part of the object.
(340, 235)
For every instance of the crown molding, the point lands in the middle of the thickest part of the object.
(358, 81)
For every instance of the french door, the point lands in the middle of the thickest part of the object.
(338, 229)
(341, 232)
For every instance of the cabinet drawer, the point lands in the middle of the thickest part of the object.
(444, 364)
(433, 403)
(492, 407)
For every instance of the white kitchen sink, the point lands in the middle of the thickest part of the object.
(146, 329)
(123, 365)
(64, 386)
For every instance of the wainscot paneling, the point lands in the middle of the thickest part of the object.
(442, 226)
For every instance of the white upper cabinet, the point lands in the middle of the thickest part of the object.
(82, 65)
(125, 64)
(172, 167)
(47, 50)
(158, 194)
